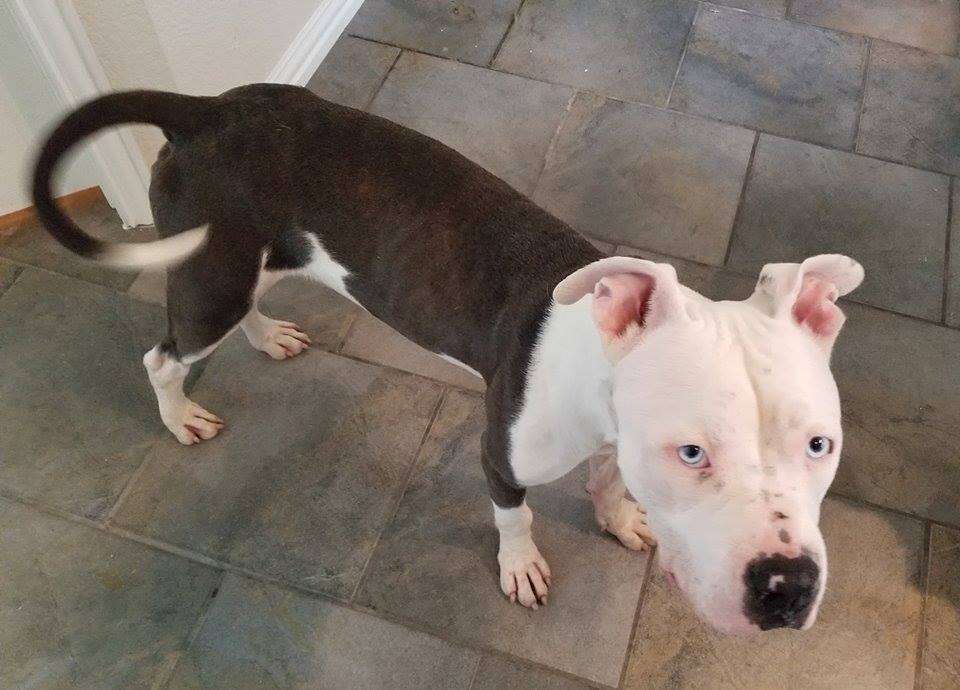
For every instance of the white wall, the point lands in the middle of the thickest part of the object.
(192, 46)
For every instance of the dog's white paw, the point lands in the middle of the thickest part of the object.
(524, 575)
(628, 523)
(191, 424)
(280, 339)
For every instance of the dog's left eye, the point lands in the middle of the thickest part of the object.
(819, 446)
(693, 456)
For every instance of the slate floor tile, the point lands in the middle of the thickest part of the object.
(911, 112)
(900, 388)
(77, 414)
(32, 245)
(467, 30)
(83, 609)
(941, 663)
(8, 273)
(503, 122)
(323, 314)
(353, 71)
(436, 563)
(953, 284)
(497, 673)
(374, 341)
(258, 636)
(768, 8)
(930, 25)
(865, 635)
(716, 283)
(781, 77)
(635, 175)
(803, 200)
(620, 48)
(304, 476)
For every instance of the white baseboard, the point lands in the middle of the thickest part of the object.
(311, 45)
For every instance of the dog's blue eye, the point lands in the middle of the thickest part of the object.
(693, 456)
(819, 446)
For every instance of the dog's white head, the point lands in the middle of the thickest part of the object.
(729, 427)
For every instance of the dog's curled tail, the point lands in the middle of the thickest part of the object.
(177, 115)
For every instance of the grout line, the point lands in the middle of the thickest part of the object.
(128, 487)
(562, 120)
(383, 81)
(925, 593)
(414, 465)
(683, 53)
(740, 202)
(503, 39)
(893, 511)
(631, 641)
(18, 269)
(476, 672)
(864, 83)
(947, 301)
(357, 314)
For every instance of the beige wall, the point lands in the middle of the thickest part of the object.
(192, 46)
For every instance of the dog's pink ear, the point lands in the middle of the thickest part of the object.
(630, 296)
(807, 292)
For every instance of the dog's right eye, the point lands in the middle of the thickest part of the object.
(693, 456)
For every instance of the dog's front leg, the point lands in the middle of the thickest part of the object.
(615, 512)
(524, 574)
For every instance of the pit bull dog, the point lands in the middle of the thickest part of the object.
(721, 418)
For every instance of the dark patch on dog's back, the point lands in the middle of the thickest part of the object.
(289, 250)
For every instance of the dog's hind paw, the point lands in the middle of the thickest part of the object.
(192, 424)
(279, 339)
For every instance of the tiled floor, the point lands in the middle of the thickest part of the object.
(338, 534)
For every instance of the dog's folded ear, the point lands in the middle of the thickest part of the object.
(630, 296)
(807, 292)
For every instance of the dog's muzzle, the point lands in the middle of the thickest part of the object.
(780, 590)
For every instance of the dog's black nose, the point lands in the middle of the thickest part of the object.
(780, 590)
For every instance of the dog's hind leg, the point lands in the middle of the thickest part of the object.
(279, 339)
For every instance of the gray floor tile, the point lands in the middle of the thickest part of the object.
(619, 48)
(768, 8)
(803, 200)
(305, 475)
(375, 341)
(953, 284)
(8, 273)
(77, 413)
(323, 314)
(467, 30)
(941, 663)
(644, 177)
(865, 636)
(32, 245)
(900, 387)
(436, 563)
(790, 79)
(497, 673)
(504, 123)
(83, 609)
(353, 71)
(930, 25)
(911, 110)
(258, 636)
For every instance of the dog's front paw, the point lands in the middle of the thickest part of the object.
(191, 424)
(524, 575)
(628, 523)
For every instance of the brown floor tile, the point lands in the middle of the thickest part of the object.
(781, 77)
(911, 110)
(467, 30)
(930, 25)
(803, 200)
(258, 636)
(83, 609)
(8, 273)
(619, 48)
(644, 177)
(352, 72)
(304, 476)
(436, 563)
(375, 341)
(941, 663)
(953, 285)
(865, 636)
(497, 673)
(768, 8)
(504, 123)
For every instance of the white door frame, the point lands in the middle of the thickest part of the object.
(57, 38)
(311, 45)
